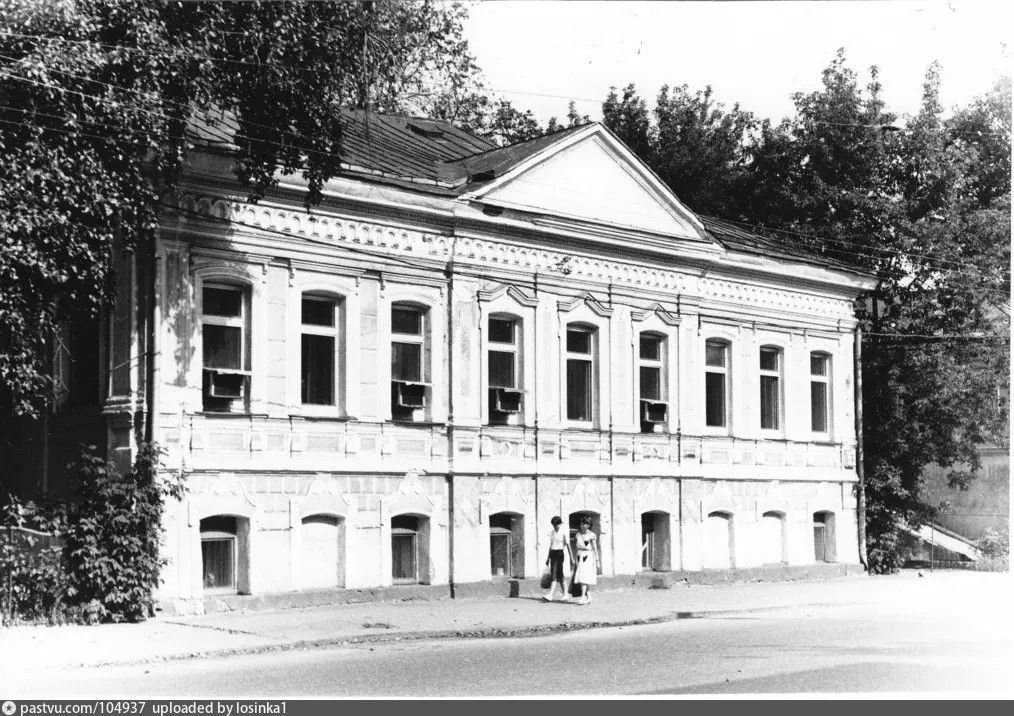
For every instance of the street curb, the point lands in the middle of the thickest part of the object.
(482, 633)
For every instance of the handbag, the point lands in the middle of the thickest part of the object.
(547, 577)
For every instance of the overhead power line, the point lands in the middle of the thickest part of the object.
(438, 86)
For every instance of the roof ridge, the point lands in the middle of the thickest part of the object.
(524, 141)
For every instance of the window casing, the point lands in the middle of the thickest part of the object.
(409, 384)
(580, 353)
(503, 369)
(219, 554)
(716, 381)
(820, 393)
(225, 340)
(653, 383)
(318, 350)
(770, 388)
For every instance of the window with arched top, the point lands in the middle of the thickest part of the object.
(582, 355)
(716, 382)
(225, 347)
(820, 392)
(771, 388)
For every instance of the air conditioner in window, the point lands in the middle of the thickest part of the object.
(225, 383)
(405, 394)
(653, 411)
(505, 400)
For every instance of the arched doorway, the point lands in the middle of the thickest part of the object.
(718, 541)
(773, 545)
(410, 549)
(225, 555)
(655, 541)
(507, 544)
(824, 536)
(322, 552)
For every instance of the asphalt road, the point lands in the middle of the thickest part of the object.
(860, 649)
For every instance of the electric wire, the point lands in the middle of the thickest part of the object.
(439, 86)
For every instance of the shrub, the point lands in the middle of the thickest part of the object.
(34, 581)
(994, 546)
(114, 531)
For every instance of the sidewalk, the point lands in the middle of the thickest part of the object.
(26, 649)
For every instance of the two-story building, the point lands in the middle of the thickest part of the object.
(406, 383)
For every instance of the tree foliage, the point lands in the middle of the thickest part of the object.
(96, 101)
(922, 204)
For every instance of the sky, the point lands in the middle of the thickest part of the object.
(754, 53)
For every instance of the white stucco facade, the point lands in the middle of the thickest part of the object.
(559, 242)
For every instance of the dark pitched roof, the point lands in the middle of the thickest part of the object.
(737, 238)
(488, 165)
(402, 150)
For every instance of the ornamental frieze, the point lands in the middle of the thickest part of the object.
(337, 230)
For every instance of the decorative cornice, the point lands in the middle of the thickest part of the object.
(491, 254)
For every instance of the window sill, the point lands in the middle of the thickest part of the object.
(420, 423)
(318, 411)
(585, 426)
(217, 414)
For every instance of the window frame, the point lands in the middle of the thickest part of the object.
(334, 331)
(422, 339)
(778, 374)
(591, 358)
(825, 380)
(243, 322)
(660, 364)
(515, 349)
(725, 371)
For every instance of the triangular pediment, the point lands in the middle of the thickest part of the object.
(591, 177)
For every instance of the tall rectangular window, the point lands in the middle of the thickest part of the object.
(651, 367)
(716, 361)
(652, 382)
(407, 344)
(318, 342)
(503, 370)
(819, 373)
(770, 388)
(503, 353)
(224, 347)
(223, 343)
(409, 386)
(580, 372)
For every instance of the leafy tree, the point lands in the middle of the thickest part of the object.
(628, 118)
(906, 204)
(508, 125)
(702, 148)
(574, 119)
(96, 98)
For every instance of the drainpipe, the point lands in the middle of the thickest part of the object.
(449, 272)
(153, 326)
(535, 413)
(857, 351)
(612, 470)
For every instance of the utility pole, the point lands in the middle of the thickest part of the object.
(857, 352)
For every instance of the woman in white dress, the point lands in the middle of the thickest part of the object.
(587, 559)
